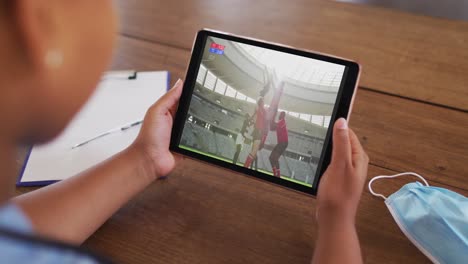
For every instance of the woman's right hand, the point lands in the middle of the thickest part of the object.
(341, 185)
(155, 133)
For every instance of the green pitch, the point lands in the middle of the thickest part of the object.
(230, 161)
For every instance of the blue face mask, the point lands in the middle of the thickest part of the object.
(434, 219)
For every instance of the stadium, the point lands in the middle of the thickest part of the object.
(232, 79)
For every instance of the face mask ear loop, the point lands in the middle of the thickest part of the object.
(369, 186)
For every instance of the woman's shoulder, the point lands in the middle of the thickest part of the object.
(19, 245)
(12, 218)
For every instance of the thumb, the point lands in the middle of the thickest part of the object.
(175, 92)
(341, 144)
(168, 102)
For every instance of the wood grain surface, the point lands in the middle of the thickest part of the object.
(205, 214)
(412, 56)
(410, 114)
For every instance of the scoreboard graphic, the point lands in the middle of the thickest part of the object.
(217, 48)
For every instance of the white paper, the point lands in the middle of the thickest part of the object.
(116, 102)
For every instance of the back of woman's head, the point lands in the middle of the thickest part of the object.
(53, 53)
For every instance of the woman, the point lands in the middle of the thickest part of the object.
(241, 137)
(258, 133)
(281, 142)
(43, 45)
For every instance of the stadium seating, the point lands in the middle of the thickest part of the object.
(238, 108)
(211, 113)
(225, 146)
(202, 139)
(218, 111)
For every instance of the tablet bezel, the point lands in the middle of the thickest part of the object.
(342, 107)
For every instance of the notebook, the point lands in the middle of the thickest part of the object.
(119, 100)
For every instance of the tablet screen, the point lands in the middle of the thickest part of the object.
(262, 109)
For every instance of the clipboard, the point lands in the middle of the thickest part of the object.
(121, 98)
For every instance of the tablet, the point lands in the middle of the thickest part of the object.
(262, 109)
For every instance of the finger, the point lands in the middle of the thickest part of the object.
(359, 156)
(168, 102)
(356, 146)
(341, 145)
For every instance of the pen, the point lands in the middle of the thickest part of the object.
(123, 128)
(131, 125)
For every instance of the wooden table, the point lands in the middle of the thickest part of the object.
(410, 114)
